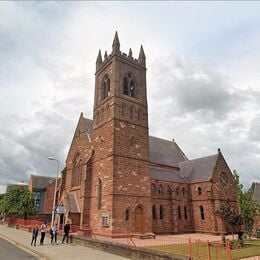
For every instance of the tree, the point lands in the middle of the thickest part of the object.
(18, 201)
(232, 218)
(249, 207)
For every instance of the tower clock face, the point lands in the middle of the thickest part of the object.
(223, 178)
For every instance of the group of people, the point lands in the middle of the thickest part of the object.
(53, 232)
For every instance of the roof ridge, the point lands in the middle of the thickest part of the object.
(196, 159)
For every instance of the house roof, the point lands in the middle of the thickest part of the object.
(40, 182)
(200, 169)
(256, 190)
(166, 175)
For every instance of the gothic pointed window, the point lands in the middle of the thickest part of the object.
(76, 175)
(185, 212)
(154, 212)
(105, 87)
(100, 190)
(132, 88)
(202, 215)
(129, 85)
(179, 212)
(153, 188)
(125, 86)
(127, 214)
(161, 211)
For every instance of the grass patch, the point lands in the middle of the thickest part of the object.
(200, 251)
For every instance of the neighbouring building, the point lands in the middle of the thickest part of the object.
(38, 186)
(119, 180)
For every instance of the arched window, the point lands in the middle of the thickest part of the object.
(76, 177)
(179, 212)
(125, 86)
(177, 191)
(185, 212)
(161, 212)
(199, 191)
(154, 212)
(169, 189)
(106, 87)
(202, 216)
(132, 88)
(160, 189)
(100, 190)
(127, 214)
(153, 188)
(129, 85)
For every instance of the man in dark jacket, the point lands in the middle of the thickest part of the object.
(34, 235)
(66, 232)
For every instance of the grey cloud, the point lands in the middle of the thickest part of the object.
(192, 86)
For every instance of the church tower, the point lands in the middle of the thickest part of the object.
(121, 198)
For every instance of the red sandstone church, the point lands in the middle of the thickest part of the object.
(119, 180)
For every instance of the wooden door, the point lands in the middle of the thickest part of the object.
(139, 221)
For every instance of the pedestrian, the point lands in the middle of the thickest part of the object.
(34, 235)
(66, 232)
(53, 232)
(43, 232)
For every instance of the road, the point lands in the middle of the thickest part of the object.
(12, 252)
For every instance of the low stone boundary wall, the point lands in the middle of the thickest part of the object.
(125, 250)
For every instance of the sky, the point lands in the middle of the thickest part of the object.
(203, 77)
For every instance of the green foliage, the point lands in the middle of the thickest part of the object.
(232, 217)
(18, 201)
(248, 205)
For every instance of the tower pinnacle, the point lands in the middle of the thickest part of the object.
(116, 44)
(99, 60)
(141, 58)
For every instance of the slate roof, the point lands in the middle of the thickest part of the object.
(165, 152)
(40, 182)
(161, 151)
(200, 169)
(256, 189)
(89, 124)
(166, 175)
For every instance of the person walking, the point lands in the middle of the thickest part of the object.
(66, 233)
(34, 235)
(43, 232)
(53, 232)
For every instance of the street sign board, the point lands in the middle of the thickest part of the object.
(60, 210)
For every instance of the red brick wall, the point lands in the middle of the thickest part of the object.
(49, 193)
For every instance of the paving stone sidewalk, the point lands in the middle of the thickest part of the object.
(60, 251)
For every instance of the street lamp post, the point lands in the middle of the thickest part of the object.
(55, 190)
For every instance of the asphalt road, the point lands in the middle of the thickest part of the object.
(9, 251)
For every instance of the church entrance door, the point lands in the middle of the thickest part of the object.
(139, 220)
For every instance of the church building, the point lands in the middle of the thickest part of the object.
(119, 180)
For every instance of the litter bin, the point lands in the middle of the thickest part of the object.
(258, 233)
